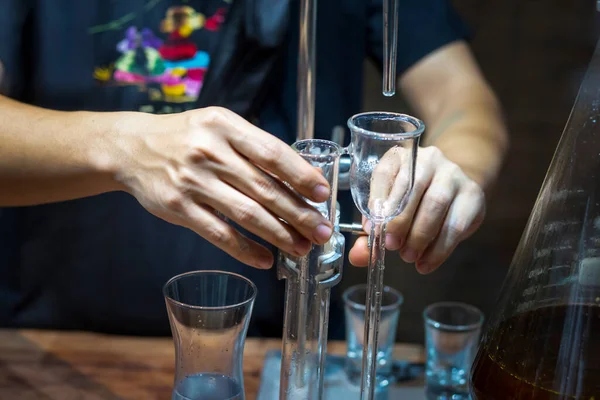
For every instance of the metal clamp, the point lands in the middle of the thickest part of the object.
(354, 228)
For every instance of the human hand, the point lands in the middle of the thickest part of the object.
(445, 208)
(192, 168)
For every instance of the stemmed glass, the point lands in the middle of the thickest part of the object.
(383, 152)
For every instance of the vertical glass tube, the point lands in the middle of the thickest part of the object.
(373, 310)
(390, 46)
(384, 153)
(307, 61)
(308, 283)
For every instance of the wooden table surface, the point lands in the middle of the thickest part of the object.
(76, 365)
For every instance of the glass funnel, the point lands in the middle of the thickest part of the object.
(209, 312)
(543, 341)
(383, 151)
(309, 280)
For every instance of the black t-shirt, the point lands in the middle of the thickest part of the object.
(99, 263)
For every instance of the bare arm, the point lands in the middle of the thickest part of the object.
(189, 169)
(463, 149)
(462, 114)
(48, 156)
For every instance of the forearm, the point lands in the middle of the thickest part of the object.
(48, 156)
(470, 131)
(461, 112)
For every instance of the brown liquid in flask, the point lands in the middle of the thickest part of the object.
(550, 353)
(543, 340)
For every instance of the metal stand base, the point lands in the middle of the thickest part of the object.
(408, 376)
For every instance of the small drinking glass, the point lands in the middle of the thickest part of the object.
(355, 298)
(209, 312)
(452, 332)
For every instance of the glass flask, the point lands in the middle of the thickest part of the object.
(309, 280)
(543, 340)
(209, 312)
(383, 154)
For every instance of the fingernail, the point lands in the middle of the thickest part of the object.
(424, 268)
(302, 247)
(322, 233)
(321, 193)
(368, 226)
(392, 243)
(265, 262)
(409, 255)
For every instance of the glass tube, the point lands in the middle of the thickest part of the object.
(390, 46)
(307, 61)
(308, 284)
(384, 152)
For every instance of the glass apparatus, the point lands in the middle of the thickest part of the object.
(209, 312)
(390, 46)
(543, 341)
(354, 306)
(383, 152)
(309, 280)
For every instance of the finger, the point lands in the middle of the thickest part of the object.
(398, 228)
(382, 180)
(430, 216)
(463, 218)
(204, 222)
(400, 189)
(270, 153)
(359, 254)
(253, 217)
(277, 198)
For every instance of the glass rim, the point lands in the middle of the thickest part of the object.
(207, 272)
(456, 328)
(339, 150)
(361, 307)
(417, 123)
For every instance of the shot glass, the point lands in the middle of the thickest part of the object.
(451, 336)
(209, 312)
(355, 298)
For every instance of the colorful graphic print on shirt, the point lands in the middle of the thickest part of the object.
(169, 66)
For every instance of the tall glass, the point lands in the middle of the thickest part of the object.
(209, 312)
(384, 152)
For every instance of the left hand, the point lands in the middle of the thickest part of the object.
(445, 208)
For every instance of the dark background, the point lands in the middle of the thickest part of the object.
(534, 54)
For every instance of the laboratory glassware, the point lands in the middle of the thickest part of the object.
(309, 280)
(543, 339)
(307, 69)
(209, 312)
(390, 46)
(383, 150)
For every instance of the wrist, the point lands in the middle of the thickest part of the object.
(110, 146)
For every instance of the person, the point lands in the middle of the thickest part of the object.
(127, 155)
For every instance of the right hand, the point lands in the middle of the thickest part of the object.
(193, 167)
